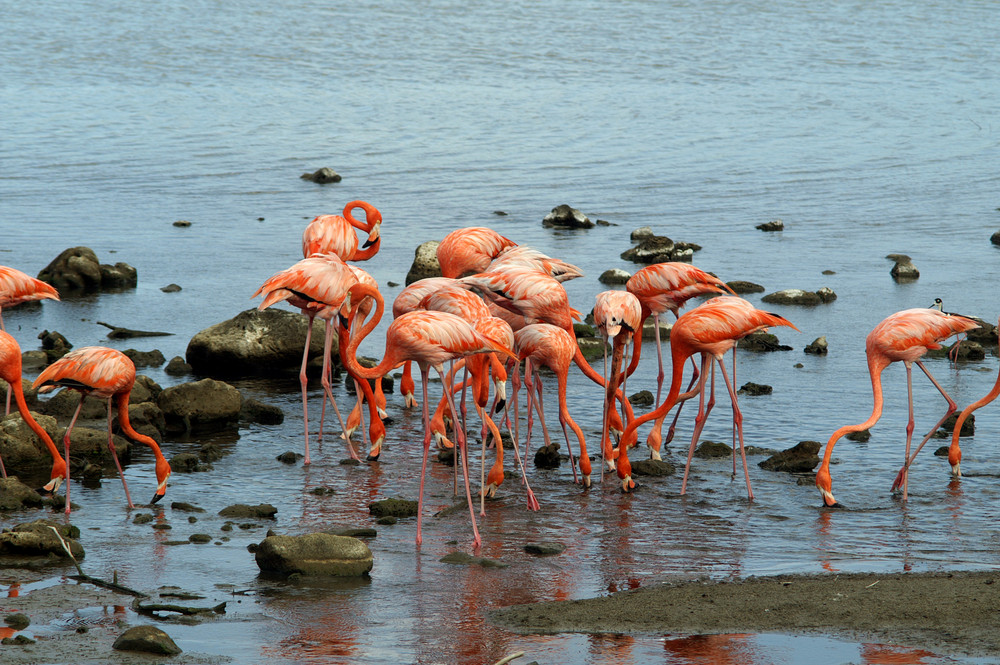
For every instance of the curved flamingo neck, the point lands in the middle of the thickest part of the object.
(678, 356)
(370, 247)
(875, 368)
(22, 407)
(122, 400)
(591, 374)
(637, 343)
(979, 403)
(349, 342)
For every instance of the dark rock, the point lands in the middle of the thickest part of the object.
(255, 411)
(861, 437)
(904, 270)
(119, 276)
(741, 287)
(37, 539)
(255, 343)
(152, 358)
(793, 297)
(545, 549)
(776, 225)
(186, 507)
(170, 288)
(387, 520)
(75, 269)
(262, 511)
(655, 249)
(200, 406)
(948, 427)
(17, 621)
(547, 457)
(760, 342)
(177, 367)
(565, 217)
(425, 262)
(187, 463)
(649, 330)
(54, 344)
(591, 348)
(200, 538)
(641, 234)
(710, 449)
(322, 176)
(985, 334)
(800, 458)
(755, 389)
(652, 467)
(393, 507)
(210, 452)
(20, 447)
(15, 495)
(320, 554)
(354, 532)
(818, 347)
(147, 415)
(826, 294)
(614, 277)
(642, 398)
(182, 223)
(17, 640)
(142, 518)
(584, 330)
(463, 559)
(147, 639)
(289, 457)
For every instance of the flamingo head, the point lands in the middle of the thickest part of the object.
(955, 459)
(825, 485)
(376, 432)
(162, 474)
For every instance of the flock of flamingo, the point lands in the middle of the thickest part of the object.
(496, 304)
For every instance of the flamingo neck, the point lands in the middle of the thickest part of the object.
(349, 342)
(875, 368)
(26, 416)
(122, 401)
(979, 403)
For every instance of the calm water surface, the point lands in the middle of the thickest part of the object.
(868, 128)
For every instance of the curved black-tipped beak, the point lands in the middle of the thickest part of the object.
(500, 405)
(373, 458)
(156, 497)
(344, 323)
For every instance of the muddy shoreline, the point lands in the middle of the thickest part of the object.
(950, 613)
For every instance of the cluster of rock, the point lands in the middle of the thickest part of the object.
(78, 270)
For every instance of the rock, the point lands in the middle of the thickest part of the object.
(185, 507)
(289, 457)
(861, 436)
(641, 234)
(818, 347)
(710, 449)
(210, 452)
(255, 343)
(755, 389)
(177, 367)
(262, 511)
(393, 507)
(904, 270)
(17, 640)
(591, 348)
(387, 520)
(740, 287)
(322, 176)
(800, 458)
(425, 262)
(793, 297)
(614, 277)
(255, 411)
(20, 447)
(641, 398)
(320, 554)
(761, 342)
(146, 418)
(15, 495)
(544, 549)
(966, 350)
(54, 344)
(463, 559)
(655, 249)
(547, 457)
(649, 330)
(187, 463)
(826, 294)
(948, 427)
(565, 217)
(144, 390)
(182, 223)
(170, 288)
(200, 538)
(584, 330)
(152, 358)
(147, 639)
(37, 539)
(354, 532)
(652, 467)
(985, 334)
(75, 269)
(776, 225)
(17, 621)
(201, 406)
(119, 276)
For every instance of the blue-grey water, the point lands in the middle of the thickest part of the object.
(868, 128)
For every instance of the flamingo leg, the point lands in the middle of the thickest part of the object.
(738, 422)
(532, 501)
(424, 376)
(304, 381)
(69, 430)
(328, 393)
(463, 448)
(114, 456)
(699, 421)
(659, 357)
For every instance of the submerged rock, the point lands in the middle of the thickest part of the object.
(775, 225)
(794, 297)
(322, 176)
(320, 554)
(563, 216)
(741, 286)
(653, 468)
(818, 347)
(800, 458)
(261, 510)
(393, 507)
(547, 457)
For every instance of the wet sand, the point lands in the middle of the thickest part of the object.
(950, 613)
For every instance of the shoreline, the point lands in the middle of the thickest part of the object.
(952, 613)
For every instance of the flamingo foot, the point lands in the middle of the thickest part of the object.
(900, 478)
(533, 502)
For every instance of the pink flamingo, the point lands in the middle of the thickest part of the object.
(316, 285)
(955, 450)
(528, 257)
(334, 234)
(10, 371)
(468, 251)
(108, 374)
(408, 300)
(617, 315)
(660, 288)
(904, 336)
(15, 288)
(427, 337)
(711, 329)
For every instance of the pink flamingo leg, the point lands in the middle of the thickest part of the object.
(328, 394)
(69, 430)
(463, 447)
(114, 455)
(738, 421)
(304, 381)
(699, 421)
(424, 376)
(532, 501)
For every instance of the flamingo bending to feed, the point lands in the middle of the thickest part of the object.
(10, 371)
(316, 285)
(427, 337)
(408, 300)
(108, 374)
(469, 251)
(955, 450)
(711, 329)
(334, 234)
(904, 336)
(17, 287)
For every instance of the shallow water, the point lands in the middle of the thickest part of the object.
(866, 128)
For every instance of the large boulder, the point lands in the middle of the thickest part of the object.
(320, 554)
(566, 217)
(425, 262)
(77, 269)
(20, 447)
(200, 406)
(255, 342)
(15, 495)
(146, 639)
(800, 458)
(38, 539)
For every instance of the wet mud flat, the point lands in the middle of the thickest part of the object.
(952, 613)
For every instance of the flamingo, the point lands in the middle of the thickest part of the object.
(904, 336)
(335, 234)
(553, 347)
(408, 300)
(108, 374)
(316, 285)
(17, 287)
(427, 337)
(955, 450)
(617, 315)
(712, 328)
(660, 288)
(528, 257)
(469, 250)
(10, 371)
